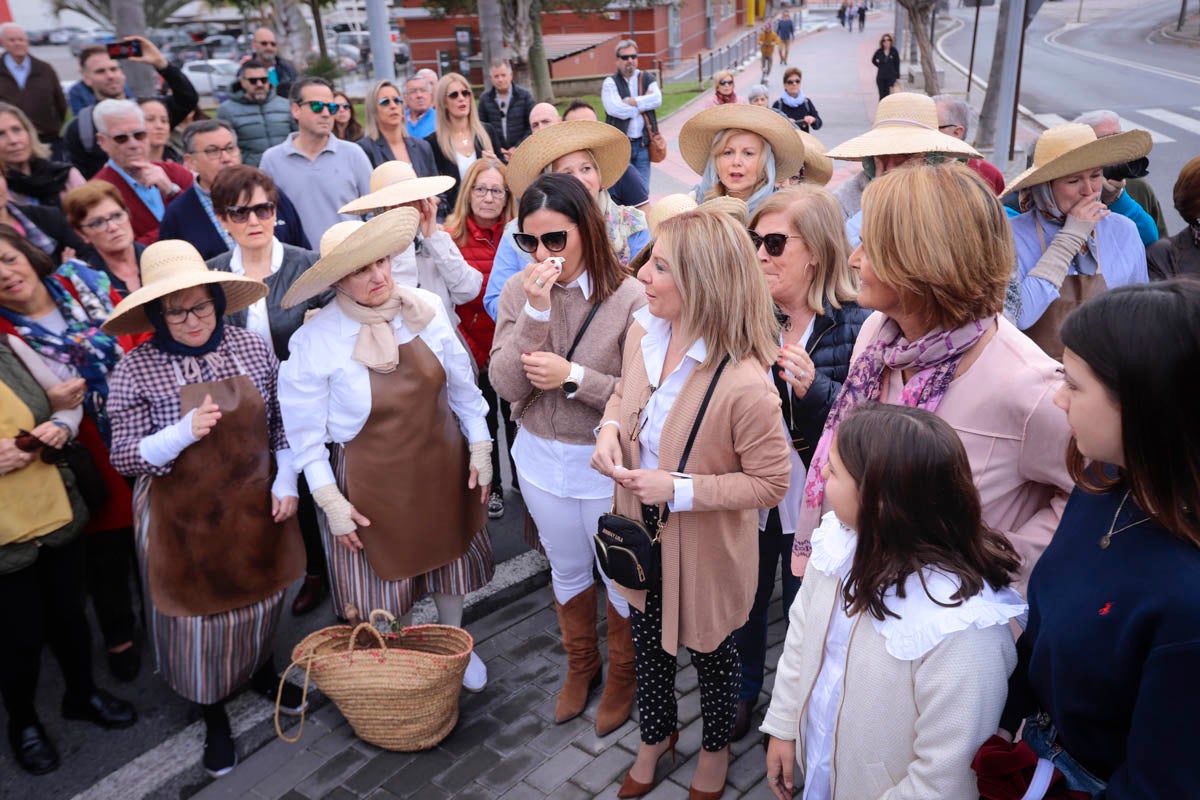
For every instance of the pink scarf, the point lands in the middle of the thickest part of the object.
(935, 356)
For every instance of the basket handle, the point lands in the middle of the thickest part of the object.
(365, 627)
(386, 615)
(303, 699)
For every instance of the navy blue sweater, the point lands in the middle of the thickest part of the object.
(1112, 649)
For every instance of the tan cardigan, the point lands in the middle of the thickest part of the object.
(906, 730)
(738, 465)
(600, 350)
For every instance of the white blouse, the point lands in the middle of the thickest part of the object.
(257, 320)
(325, 395)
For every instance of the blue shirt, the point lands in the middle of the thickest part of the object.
(149, 195)
(786, 29)
(423, 126)
(854, 229)
(20, 72)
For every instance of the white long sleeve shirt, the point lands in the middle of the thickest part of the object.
(325, 395)
(615, 105)
(442, 270)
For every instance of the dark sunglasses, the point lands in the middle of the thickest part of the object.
(792, 80)
(773, 242)
(26, 442)
(457, 93)
(629, 57)
(384, 102)
(257, 81)
(725, 82)
(317, 106)
(240, 214)
(554, 241)
(122, 138)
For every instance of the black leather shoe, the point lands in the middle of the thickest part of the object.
(34, 751)
(102, 709)
(126, 664)
(312, 592)
(220, 755)
(290, 700)
(741, 719)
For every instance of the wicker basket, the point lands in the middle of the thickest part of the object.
(399, 691)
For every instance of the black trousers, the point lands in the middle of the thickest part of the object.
(44, 603)
(498, 409)
(306, 516)
(110, 560)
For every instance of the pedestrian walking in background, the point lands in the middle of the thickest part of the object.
(795, 105)
(630, 97)
(786, 29)
(768, 40)
(1180, 254)
(887, 65)
(842, 11)
(862, 15)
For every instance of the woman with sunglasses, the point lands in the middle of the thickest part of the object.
(802, 251)
(887, 65)
(724, 91)
(245, 199)
(58, 313)
(386, 137)
(556, 357)
(195, 419)
(345, 123)
(795, 105)
(459, 137)
(42, 559)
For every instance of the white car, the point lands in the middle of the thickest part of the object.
(212, 76)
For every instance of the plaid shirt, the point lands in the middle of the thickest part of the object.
(143, 392)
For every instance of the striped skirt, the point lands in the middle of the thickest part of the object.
(355, 583)
(204, 658)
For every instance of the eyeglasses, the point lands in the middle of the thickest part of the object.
(104, 222)
(178, 316)
(457, 93)
(483, 191)
(725, 82)
(792, 80)
(257, 81)
(384, 102)
(240, 214)
(628, 57)
(554, 241)
(317, 106)
(773, 242)
(214, 151)
(122, 138)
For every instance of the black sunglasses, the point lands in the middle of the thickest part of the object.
(792, 80)
(725, 82)
(554, 241)
(628, 57)
(257, 81)
(240, 214)
(773, 242)
(122, 138)
(457, 93)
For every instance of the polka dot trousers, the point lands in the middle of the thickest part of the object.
(719, 673)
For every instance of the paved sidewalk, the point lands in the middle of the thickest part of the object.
(506, 744)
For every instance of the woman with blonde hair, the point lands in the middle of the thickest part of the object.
(936, 257)
(385, 138)
(803, 254)
(696, 360)
(33, 179)
(459, 137)
(724, 91)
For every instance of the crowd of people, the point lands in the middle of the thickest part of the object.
(924, 398)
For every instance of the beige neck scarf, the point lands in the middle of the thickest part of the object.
(376, 347)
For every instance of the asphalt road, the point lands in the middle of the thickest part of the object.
(1119, 63)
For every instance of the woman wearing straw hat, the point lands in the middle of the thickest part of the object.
(1069, 247)
(381, 375)
(595, 153)
(459, 137)
(556, 357)
(200, 394)
(817, 169)
(433, 261)
(740, 151)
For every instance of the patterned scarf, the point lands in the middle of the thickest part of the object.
(622, 222)
(33, 233)
(727, 99)
(89, 350)
(935, 357)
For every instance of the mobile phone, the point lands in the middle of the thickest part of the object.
(129, 48)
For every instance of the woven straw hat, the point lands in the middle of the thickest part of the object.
(905, 122)
(818, 167)
(667, 207)
(394, 183)
(171, 266)
(1067, 149)
(732, 206)
(698, 133)
(607, 145)
(349, 246)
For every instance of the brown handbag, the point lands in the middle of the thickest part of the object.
(658, 142)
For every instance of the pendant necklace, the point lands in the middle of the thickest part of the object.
(1106, 539)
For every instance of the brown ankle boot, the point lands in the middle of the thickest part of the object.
(577, 621)
(621, 684)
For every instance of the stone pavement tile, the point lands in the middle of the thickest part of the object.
(523, 791)
(760, 791)
(689, 707)
(556, 737)
(773, 653)
(668, 790)
(414, 776)
(752, 740)
(374, 772)
(329, 716)
(589, 742)
(545, 709)
(465, 770)
(273, 757)
(497, 666)
(281, 781)
(335, 741)
(603, 770)
(747, 769)
(518, 705)
(467, 737)
(473, 705)
(367, 749)
(502, 642)
(509, 615)
(552, 679)
(545, 643)
(686, 680)
(340, 793)
(558, 769)
(331, 773)
(511, 769)
(474, 792)
(541, 622)
(516, 736)
(381, 794)
(520, 680)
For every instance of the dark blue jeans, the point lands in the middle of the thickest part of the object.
(774, 547)
(639, 158)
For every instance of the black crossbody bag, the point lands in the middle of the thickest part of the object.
(627, 551)
(533, 398)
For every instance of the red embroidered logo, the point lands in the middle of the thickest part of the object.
(1107, 607)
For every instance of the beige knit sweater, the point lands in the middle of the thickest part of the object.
(600, 350)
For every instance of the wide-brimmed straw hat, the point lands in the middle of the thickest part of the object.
(1073, 147)
(818, 167)
(171, 266)
(905, 123)
(733, 206)
(666, 207)
(394, 183)
(698, 133)
(607, 145)
(353, 246)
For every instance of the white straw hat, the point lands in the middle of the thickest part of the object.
(698, 134)
(172, 265)
(1066, 149)
(394, 183)
(607, 145)
(905, 123)
(667, 207)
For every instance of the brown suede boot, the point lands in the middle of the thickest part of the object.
(621, 683)
(577, 621)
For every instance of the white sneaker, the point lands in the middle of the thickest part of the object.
(475, 678)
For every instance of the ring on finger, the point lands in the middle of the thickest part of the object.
(539, 283)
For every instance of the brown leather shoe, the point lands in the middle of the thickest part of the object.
(620, 685)
(310, 596)
(577, 621)
(635, 788)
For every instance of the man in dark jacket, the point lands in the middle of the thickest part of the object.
(260, 118)
(266, 52)
(32, 85)
(506, 108)
(106, 79)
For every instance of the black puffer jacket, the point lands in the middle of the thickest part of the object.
(829, 347)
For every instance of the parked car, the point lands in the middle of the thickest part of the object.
(180, 53)
(63, 35)
(214, 76)
(82, 40)
(221, 46)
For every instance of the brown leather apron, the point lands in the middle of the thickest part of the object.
(406, 471)
(213, 545)
(1074, 292)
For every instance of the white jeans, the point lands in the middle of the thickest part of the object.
(565, 526)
